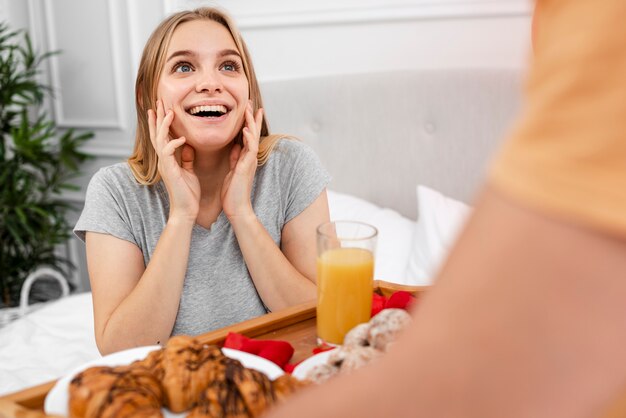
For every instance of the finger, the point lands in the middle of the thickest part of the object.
(159, 113)
(164, 109)
(170, 147)
(159, 122)
(250, 140)
(248, 156)
(251, 130)
(258, 119)
(250, 122)
(245, 134)
(187, 157)
(163, 131)
(235, 152)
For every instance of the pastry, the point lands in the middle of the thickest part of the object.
(219, 400)
(238, 391)
(254, 387)
(286, 385)
(122, 391)
(152, 362)
(348, 359)
(358, 336)
(385, 327)
(187, 368)
(322, 372)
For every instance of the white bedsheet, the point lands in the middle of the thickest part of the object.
(44, 345)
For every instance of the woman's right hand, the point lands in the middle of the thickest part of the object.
(183, 186)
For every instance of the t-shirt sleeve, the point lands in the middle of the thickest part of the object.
(567, 155)
(303, 178)
(104, 209)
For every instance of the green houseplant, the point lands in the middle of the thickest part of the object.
(37, 163)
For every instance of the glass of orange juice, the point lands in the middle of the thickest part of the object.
(345, 276)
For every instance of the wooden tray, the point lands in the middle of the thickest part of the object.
(295, 324)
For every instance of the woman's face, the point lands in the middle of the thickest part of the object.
(203, 82)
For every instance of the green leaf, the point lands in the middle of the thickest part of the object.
(15, 233)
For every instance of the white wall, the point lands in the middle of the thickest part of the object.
(101, 41)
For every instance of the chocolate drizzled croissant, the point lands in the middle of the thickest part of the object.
(122, 391)
(254, 387)
(220, 401)
(187, 368)
(243, 392)
(152, 362)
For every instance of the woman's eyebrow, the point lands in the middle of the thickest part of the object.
(184, 53)
(227, 52)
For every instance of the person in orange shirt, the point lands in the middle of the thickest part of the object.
(528, 315)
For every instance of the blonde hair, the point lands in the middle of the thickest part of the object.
(143, 161)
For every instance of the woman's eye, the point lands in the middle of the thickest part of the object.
(230, 66)
(183, 68)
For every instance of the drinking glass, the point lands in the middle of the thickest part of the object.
(345, 275)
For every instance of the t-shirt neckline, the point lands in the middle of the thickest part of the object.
(218, 224)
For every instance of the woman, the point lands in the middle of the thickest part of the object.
(212, 220)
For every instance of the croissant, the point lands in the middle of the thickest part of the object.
(286, 385)
(86, 385)
(152, 362)
(187, 368)
(238, 391)
(219, 400)
(254, 387)
(122, 391)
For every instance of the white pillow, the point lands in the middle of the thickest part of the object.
(440, 219)
(395, 233)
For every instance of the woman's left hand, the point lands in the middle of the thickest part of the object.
(237, 185)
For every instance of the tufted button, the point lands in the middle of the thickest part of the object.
(429, 127)
(316, 126)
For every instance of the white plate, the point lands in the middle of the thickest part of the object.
(57, 400)
(303, 368)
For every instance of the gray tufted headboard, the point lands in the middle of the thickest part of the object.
(381, 134)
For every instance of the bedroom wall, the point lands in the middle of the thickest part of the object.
(101, 41)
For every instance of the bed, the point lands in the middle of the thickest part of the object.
(407, 151)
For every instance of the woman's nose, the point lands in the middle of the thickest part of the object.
(209, 83)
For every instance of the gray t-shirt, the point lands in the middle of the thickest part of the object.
(218, 290)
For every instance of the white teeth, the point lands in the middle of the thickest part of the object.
(213, 108)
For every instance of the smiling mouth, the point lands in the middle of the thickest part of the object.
(213, 111)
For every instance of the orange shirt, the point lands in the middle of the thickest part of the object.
(567, 153)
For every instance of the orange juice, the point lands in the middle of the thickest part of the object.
(344, 291)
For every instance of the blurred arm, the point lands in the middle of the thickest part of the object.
(527, 319)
